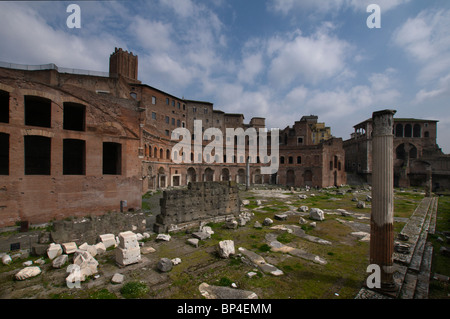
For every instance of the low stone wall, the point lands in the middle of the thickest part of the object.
(202, 202)
(87, 229)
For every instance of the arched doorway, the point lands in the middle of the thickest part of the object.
(225, 174)
(290, 178)
(191, 175)
(209, 175)
(162, 178)
(241, 176)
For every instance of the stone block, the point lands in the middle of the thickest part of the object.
(193, 242)
(109, 240)
(54, 250)
(69, 248)
(201, 235)
(117, 278)
(163, 237)
(128, 256)
(316, 214)
(226, 248)
(128, 240)
(39, 249)
(281, 216)
(100, 247)
(60, 261)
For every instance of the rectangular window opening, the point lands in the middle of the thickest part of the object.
(74, 157)
(4, 107)
(4, 154)
(112, 158)
(37, 155)
(74, 116)
(38, 111)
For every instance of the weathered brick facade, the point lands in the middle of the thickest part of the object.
(415, 151)
(80, 143)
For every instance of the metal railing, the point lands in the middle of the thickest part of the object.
(52, 66)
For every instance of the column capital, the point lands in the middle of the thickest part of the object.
(383, 122)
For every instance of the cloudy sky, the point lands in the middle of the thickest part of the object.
(278, 59)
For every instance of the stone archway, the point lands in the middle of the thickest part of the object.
(209, 175)
(225, 174)
(191, 175)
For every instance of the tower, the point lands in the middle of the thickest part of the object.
(123, 63)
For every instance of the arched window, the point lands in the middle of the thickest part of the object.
(155, 152)
(168, 154)
(299, 159)
(291, 160)
(399, 130)
(282, 160)
(417, 131)
(408, 130)
(161, 154)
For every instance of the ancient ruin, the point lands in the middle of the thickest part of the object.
(201, 203)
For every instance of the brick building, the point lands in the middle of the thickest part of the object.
(415, 152)
(75, 143)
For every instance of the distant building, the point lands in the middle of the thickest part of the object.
(415, 152)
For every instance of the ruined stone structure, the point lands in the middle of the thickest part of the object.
(310, 156)
(202, 202)
(415, 153)
(77, 143)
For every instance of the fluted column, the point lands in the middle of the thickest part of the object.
(382, 217)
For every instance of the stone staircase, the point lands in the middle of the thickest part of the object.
(412, 263)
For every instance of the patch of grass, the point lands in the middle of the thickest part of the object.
(264, 248)
(285, 238)
(134, 290)
(102, 294)
(225, 282)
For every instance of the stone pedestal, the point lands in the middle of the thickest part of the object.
(128, 251)
(382, 217)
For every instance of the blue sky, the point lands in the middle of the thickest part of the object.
(278, 59)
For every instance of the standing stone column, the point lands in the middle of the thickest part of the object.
(382, 217)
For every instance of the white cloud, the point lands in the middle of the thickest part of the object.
(326, 6)
(310, 59)
(426, 40)
(442, 89)
(152, 35)
(251, 66)
(339, 102)
(34, 41)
